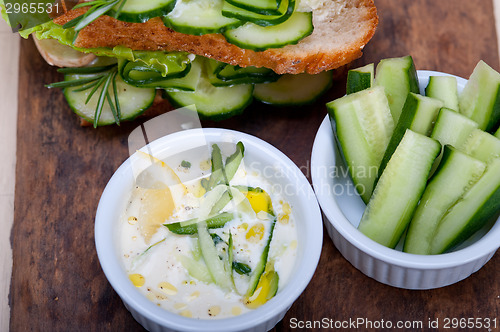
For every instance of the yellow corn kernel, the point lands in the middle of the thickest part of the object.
(205, 165)
(180, 306)
(284, 219)
(259, 200)
(236, 311)
(214, 310)
(255, 233)
(193, 296)
(137, 279)
(167, 288)
(186, 313)
(286, 208)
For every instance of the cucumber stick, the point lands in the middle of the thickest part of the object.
(419, 114)
(294, 90)
(480, 99)
(452, 128)
(457, 172)
(360, 78)
(443, 88)
(399, 189)
(479, 204)
(398, 76)
(364, 126)
(482, 146)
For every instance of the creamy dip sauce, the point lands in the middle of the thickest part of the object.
(155, 258)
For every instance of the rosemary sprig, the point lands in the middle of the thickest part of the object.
(102, 79)
(97, 9)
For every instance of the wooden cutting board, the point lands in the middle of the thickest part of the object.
(62, 168)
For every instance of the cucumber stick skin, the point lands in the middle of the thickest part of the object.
(443, 88)
(419, 114)
(360, 78)
(480, 99)
(482, 146)
(399, 189)
(363, 126)
(479, 204)
(497, 134)
(398, 76)
(457, 172)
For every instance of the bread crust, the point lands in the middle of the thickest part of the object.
(340, 33)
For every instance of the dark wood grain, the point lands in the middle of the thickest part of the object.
(62, 168)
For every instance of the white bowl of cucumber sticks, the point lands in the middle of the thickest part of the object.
(381, 255)
(167, 278)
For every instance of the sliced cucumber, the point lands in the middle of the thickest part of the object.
(457, 172)
(217, 221)
(479, 204)
(399, 189)
(261, 264)
(399, 77)
(143, 76)
(216, 267)
(139, 11)
(419, 114)
(285, 10)
(452, 128)
(229, 73)
(265, 7)
(222, 74)
(214, 103)
(199, 17)
(257, 38)
(445, 89)
(294, 90)
(133, 101)
(480, 99)
(233, 161)
(360, 78)
(186, 83)
(482, 146)
(364, 126)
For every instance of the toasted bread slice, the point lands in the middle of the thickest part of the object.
(341, 30)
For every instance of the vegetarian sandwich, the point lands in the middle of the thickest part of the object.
(216, 54)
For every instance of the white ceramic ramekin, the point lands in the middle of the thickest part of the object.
(281, 172)
(343, 210)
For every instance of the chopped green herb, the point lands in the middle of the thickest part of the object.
(186, 164)
(241, 268)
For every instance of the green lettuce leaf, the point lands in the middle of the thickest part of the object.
(164, 61)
